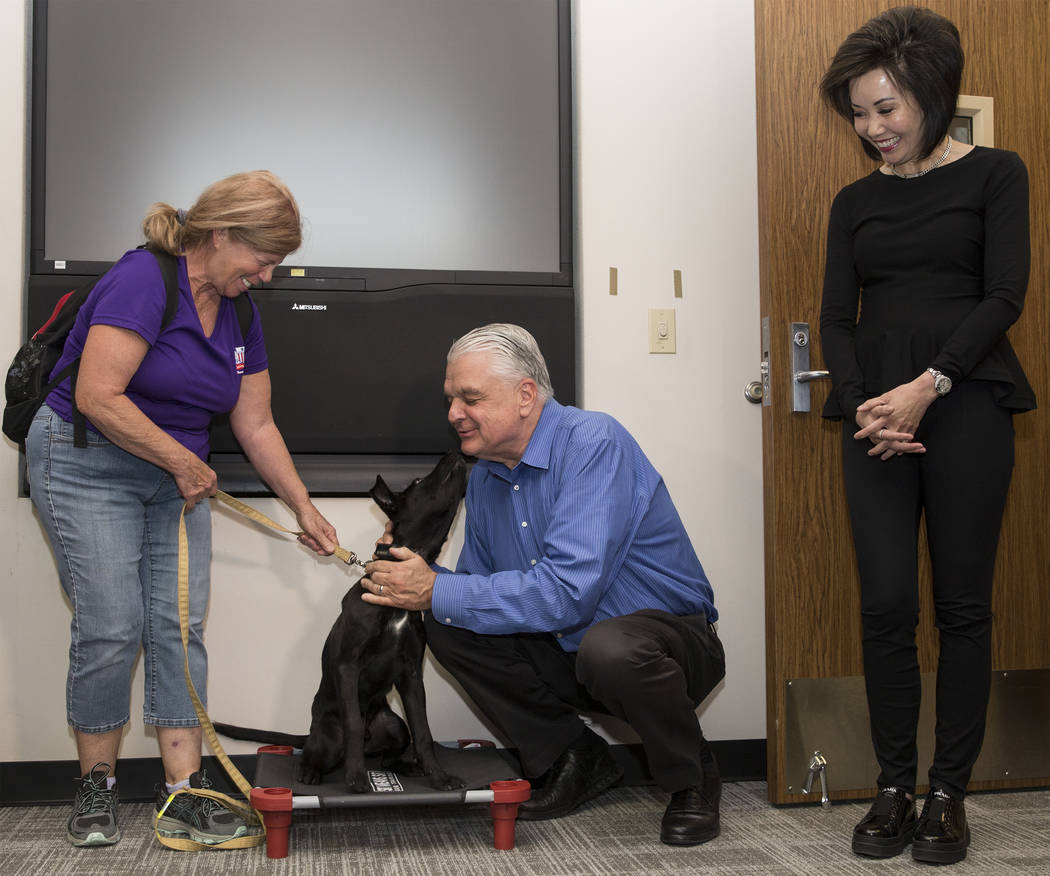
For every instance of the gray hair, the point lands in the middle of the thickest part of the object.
(516, 355)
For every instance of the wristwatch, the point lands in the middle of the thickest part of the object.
(942, 383)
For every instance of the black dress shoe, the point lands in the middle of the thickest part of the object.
(580, 774)
(888, 826)
(942, 834)
(691, 817)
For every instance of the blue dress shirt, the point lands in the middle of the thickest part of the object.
(580, 530)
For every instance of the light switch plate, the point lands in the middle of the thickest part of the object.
(661, 330)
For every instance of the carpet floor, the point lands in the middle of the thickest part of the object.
(617, 834)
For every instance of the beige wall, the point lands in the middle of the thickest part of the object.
(666, 180)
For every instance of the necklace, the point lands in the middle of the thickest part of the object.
(937, 163)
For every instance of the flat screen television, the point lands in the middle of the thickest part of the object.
(428, 143)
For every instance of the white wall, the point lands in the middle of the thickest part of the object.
(666, 175)
(667, 179)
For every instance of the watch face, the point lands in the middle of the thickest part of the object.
(942, 385)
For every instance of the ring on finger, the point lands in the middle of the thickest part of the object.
(380, 589)
(878, 437)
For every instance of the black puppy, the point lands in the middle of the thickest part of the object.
(372, 647)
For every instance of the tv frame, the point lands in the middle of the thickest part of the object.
(324, 474)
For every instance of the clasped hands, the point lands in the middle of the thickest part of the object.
(889, 420)
(405, 583)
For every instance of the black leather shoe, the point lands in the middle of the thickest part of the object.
(691, 817)
(580, 774)
(942, 834)
(888, 826)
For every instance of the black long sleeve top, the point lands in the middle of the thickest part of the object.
(939, 265)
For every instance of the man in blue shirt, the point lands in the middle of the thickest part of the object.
(577, 589)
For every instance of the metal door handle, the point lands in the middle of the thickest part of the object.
(800, 373)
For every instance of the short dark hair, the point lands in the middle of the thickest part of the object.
(920, 52)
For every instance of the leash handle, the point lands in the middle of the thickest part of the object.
(348, 557)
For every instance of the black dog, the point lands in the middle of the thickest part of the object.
(371, 648)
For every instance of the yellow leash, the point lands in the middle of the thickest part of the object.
(251, 816)
(348, 557)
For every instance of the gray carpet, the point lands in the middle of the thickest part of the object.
(617, 834)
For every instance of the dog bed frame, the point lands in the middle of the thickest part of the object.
(489, 774)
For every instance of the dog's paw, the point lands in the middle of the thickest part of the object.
(358, 783)
(309, 775)
(446, 782)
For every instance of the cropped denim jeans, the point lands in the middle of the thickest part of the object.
(113, 522)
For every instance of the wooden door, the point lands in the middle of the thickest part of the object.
(805, 155)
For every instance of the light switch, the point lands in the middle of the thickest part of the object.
(661, 330)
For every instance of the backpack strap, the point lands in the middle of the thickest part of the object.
(79, 424)
(169, 271)
(245, 313)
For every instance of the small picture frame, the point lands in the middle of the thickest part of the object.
(974, 120)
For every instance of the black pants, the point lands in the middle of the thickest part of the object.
(961, 484)
(651, 669)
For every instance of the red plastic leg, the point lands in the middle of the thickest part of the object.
(275, 804)
(504, 807)
(285, 750)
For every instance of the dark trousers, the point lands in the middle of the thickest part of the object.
(961, 484)
(651, 669)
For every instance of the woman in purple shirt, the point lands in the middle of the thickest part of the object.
(111, 510)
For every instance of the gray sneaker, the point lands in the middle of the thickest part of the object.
(202, 819)
(94, 818)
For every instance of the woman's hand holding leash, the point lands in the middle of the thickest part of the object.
(194, 478)
(318, 534)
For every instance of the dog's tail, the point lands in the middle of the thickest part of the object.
(268, 737)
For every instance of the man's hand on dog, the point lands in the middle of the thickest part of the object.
(407, 583)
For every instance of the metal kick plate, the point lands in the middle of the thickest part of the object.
(831, 715)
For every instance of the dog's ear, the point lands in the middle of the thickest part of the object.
(382, 496)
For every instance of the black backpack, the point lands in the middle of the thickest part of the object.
(27, 384)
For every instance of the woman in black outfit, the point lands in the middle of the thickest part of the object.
(934, 245)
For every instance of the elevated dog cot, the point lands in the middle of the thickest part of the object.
(490, 776)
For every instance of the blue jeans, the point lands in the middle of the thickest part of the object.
(113, 522)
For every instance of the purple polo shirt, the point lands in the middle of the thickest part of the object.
(185, 377)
